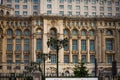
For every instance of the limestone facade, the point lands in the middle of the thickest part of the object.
(22, 38)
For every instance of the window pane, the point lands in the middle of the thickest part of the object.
(92, 58)
(109, 45)
(75, 58)
(92, 45)
(83, 45)
(74, 45)
(109, 59)
(18, 47)
(9, 46)
(53, 58)
(9, 32)
(39, 44)
(18, 32)
(84, 58)
(66, 58)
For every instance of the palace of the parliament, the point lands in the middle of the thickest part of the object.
(92, 27)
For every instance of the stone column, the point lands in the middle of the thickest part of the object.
(22, 53)
(33, 48)
(88, 49)
(79, 49)
(70, 49)
(103, 56)
(98, 46)
(4, 48)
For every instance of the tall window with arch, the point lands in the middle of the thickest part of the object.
(91, 33)
(18, 32)
(83, 32)
(9, 32)
(53, 32)
(26, 32)
(74, 32)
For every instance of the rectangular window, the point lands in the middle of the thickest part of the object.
(9, 61)
(24, 6)
(49, 6)
(66, 58)
(49, 1)
(86, 13)
(35, 1)
(35, 7)
(18, 47)
(26, 61)
(94, 8)
(53, 58)
(69, 12)
(117, 9)
(117, 3)
(70, 7)
(49, 12)
(85, 1)
(24, 12)
(61, 12)
(109, 8)
(16, 6)
(77, 1)
(92, 45)
(77, 13)
(93, 13)
(109, 59)
(9, 1)
(109, 2)
(61, 6)
(17, 1)
(109, 44)
(75, 58)
(17, 12)
(93, 1)
(69, 1)
(9, 47)
(109, 14)
(85, 8)
(74, 45)
(83, 45)
(101, 8)
(92, 58)
(39, 44)
(101, 2)
(84, 58)
(101, 14)
(66, 48)
(77, 7)
(9, 5)
(18, 61)
(25, 1)
(61, 1)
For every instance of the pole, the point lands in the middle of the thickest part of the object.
(57, 62)
(44, 65)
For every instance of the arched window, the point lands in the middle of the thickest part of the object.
(38, 31)
(91, 33)
(18, 32)
(26, 32)
(2, 12)
(53, 31)
(7, 13)
(9, 32)
(83, 32)
(74, 32)
(66, 32)
(109, 32)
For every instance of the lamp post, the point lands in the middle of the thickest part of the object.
(57, 44)
(43, 57)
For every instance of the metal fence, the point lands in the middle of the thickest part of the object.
(15, 76)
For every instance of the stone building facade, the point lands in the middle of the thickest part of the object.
(22, 38)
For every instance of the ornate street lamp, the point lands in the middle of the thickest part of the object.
(57, 44)
(43, 57)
